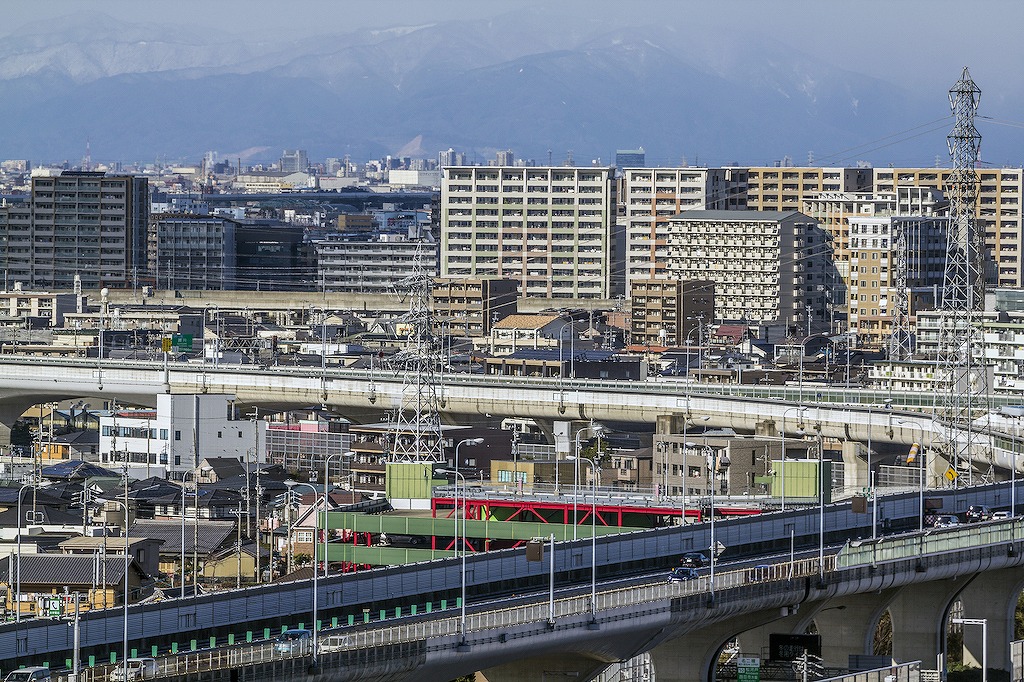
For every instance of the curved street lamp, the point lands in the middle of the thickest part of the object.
(593, 536)
(596, 430)
(316, 528)
(462, 612)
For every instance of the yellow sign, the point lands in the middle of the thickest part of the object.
(951, 474)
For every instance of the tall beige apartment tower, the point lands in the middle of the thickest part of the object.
(552, 229)
(785, 188)
(998, 213)
(652, 196)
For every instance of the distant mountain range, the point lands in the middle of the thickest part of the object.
(143, 92)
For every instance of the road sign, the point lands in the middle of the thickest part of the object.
(182, 342)
(748, 669)
(719, 548)
(51, 607)
(951, 474)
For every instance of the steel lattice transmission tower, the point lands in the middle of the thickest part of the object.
(963, 393)
(900, 342)
(416, 436)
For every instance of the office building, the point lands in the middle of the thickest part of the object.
(293, 161)
(193, 252)
(550, 228)
(470, 306)
(766, 265)
(181, 431)
(505, 157)
(653, 195)
(77, 223)
(630, 158)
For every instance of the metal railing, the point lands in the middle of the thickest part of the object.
(430, 630)
(932, 542)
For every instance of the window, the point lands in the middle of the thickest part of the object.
(177, 435)
(220, 434)
(163, 434)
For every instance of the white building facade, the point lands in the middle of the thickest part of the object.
(552, 229)
(179, 433)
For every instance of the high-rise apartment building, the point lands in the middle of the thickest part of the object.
(767, 266)
(369, 263)
(550, 228)
(835, 210)
(874, 264)
(665, 311)
(771, 188)
(505, 157)
(450, 157)
(998, 213)
(77, 223)
(652, 196)
(470, 306)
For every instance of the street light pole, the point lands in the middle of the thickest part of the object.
(316, 528)
(593, 538)
(596, 430)
(462, 611)
(17, 564)
(327, 462)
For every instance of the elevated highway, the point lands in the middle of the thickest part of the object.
(403, 623)
(840, 413)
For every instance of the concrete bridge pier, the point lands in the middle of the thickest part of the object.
(567, 667)
(918, 613)
(10, 410)
(693, 655)
(992, 595)
(847, 625)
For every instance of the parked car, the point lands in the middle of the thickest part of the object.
(33, 674)
(946, 520)
(682, 573)
(135, 669)
(294, 642)
(693, 560)
(978, 512)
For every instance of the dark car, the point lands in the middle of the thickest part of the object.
(680, 574)
(693, 560)
(978, 512)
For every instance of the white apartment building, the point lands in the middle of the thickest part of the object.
(18, 305)
(552, 229)
(651, 196)
(768, 266)
(363, 263)
(180, 432)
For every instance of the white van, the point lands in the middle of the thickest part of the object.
(134, 669)
(332, 643)
(34, 674)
